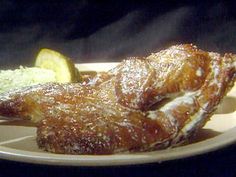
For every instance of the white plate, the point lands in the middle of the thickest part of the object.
(18, 143)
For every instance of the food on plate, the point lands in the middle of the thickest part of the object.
(63, 67)
(143, 104)
(24, 76)
(50, 66)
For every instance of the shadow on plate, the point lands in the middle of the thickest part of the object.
(25, 123)
(228, 105)
(204, 134)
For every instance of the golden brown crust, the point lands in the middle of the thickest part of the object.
(143, 104)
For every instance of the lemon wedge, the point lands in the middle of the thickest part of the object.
(63, 67)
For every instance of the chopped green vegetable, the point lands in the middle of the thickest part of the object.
(24, 76)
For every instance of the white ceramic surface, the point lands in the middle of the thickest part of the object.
(17, 140)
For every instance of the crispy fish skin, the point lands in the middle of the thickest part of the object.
(143, 104)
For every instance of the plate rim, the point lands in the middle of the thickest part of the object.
(194, 149)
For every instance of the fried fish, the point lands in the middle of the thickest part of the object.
(143, 104)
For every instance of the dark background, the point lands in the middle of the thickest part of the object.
(91, 31)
